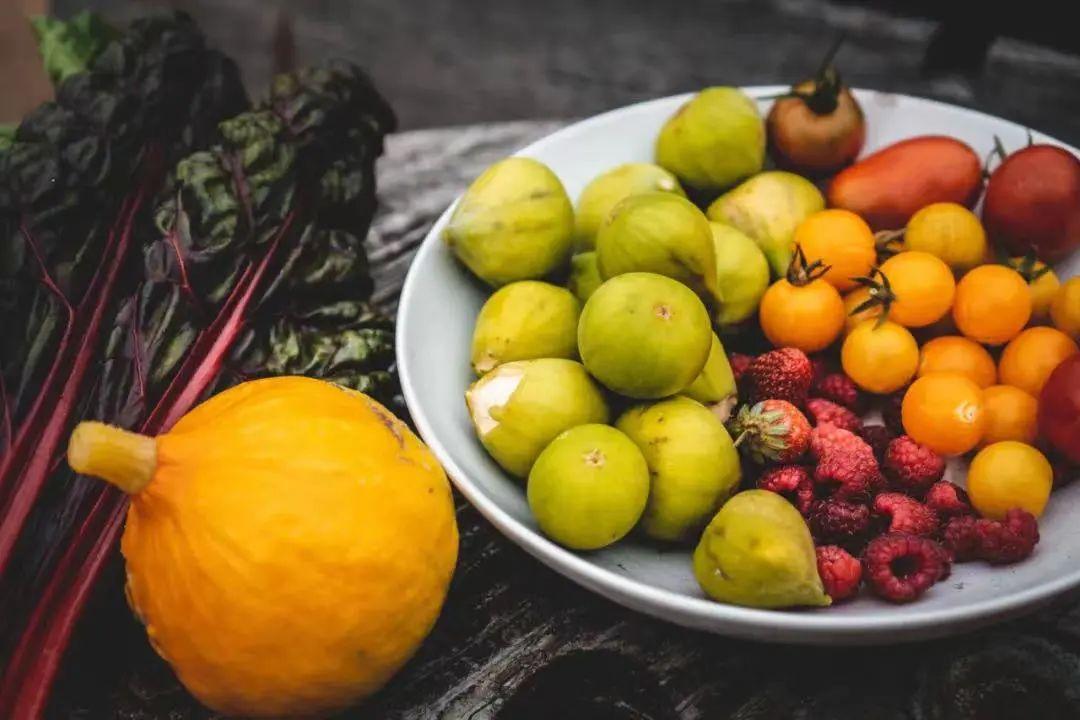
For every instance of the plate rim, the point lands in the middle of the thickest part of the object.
(782, 626)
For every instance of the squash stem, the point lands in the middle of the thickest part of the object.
(123, 458)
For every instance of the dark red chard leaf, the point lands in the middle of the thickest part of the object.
(75, 186)
(257, 269)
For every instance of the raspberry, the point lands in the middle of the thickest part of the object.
(837, 521)
(792, 482)
(905, 515)
(878, 483)
(845, 463)
(840, 389)
(947, 500)
(825, 411)
(784, 374)
(1015, 539)
(912, 468)
(1008, 541)
(890, 412)
(900, 567)
(947, 562)
(878, 438)
(962, 538)
(820, 366)
(826, 437)
(840, 572)
(739, 364)
(837, 479)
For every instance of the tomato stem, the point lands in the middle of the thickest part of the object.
(800, 273)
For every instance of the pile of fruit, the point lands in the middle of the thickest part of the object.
(707, 351)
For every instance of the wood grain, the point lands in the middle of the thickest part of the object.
(445, 63)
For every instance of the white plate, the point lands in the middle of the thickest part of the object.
(439, 304)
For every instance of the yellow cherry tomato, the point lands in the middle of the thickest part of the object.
(1009, 475)
(948, 231)
(809, 317)
(840, 239)
(1031, 356)
(1065, 309)
(953, 353)
(944, 411)
(854, 299)
(1042, 282)
(992, 304)
(1011, 414)
(880, 358)
(923, 286)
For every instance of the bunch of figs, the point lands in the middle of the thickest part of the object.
(601, 377)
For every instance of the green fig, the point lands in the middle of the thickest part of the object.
(658, 233)
(758, 552)
(692, 461)
(715, 384)
(714, 140)
(644, 335)
(519, 407)
(525, 320)
(768, 207)
(742, 275)
(515, 222)
(588, 488)
(584, 275)
(606, 190)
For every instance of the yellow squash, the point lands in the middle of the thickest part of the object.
(288, 544)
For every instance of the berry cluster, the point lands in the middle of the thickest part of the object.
(874, 499)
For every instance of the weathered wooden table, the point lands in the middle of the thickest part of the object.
(517, 641)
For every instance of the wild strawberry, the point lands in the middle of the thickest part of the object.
(825, 411)
(771, 431)
(784, 374)
(900, 567)
(840, 389)
(739, 364)
(905, 515)
(912, 468)
(792, 482)
(840, 572)
(878, 438)
(947, 500)
(837, 521)
(845, 463)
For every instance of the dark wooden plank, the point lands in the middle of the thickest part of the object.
(443, 63)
